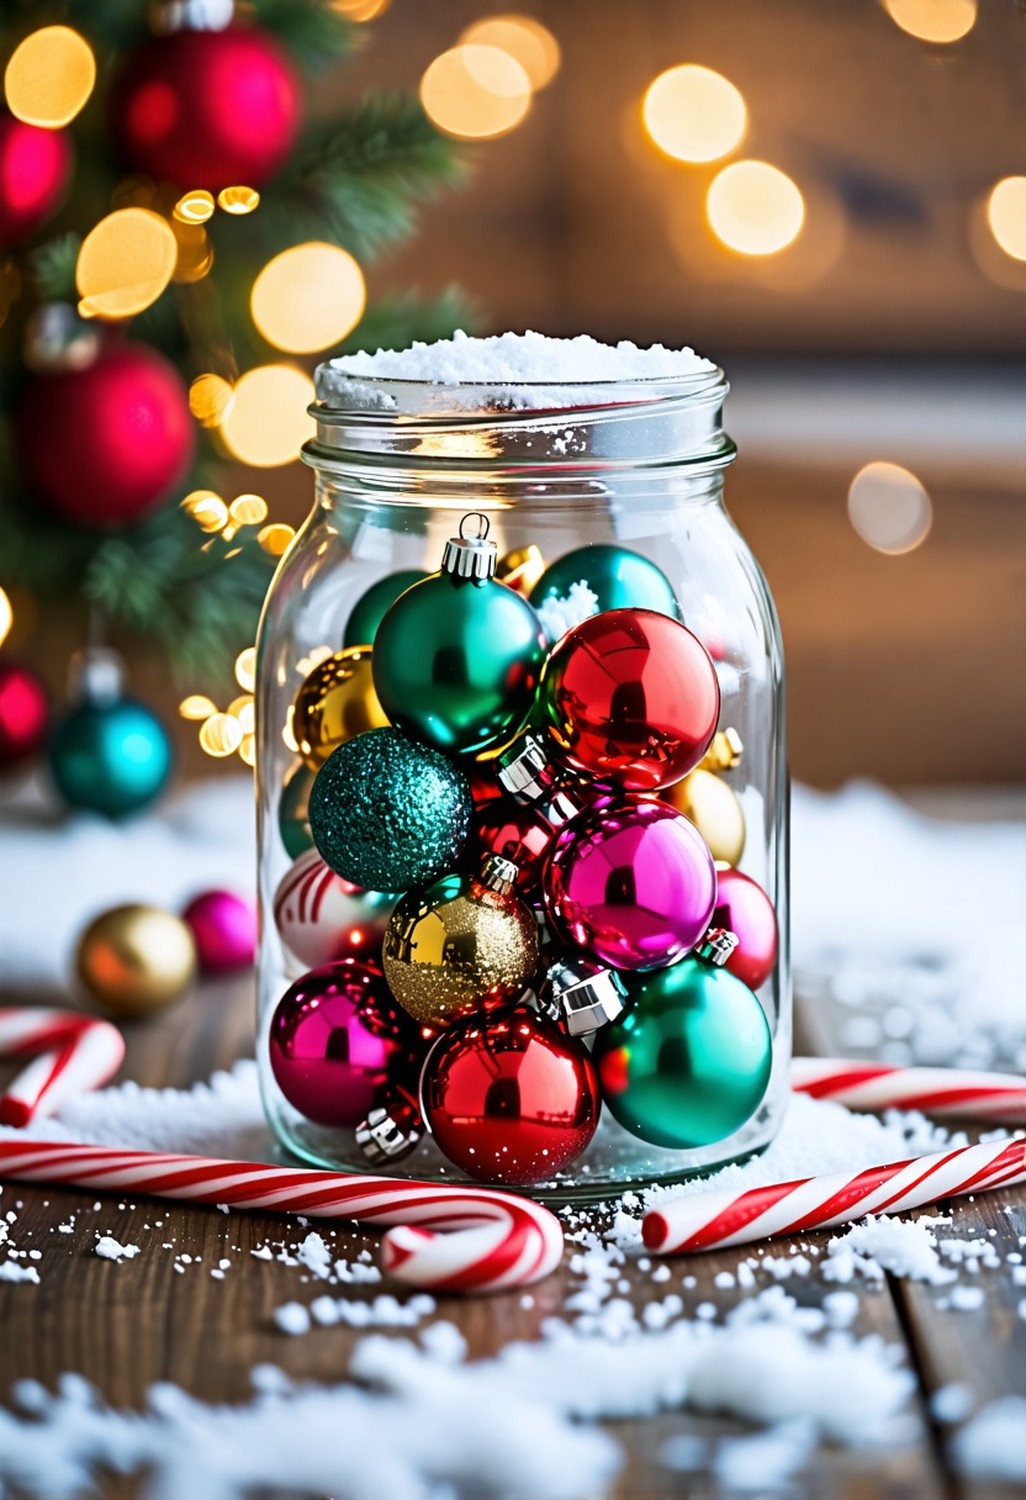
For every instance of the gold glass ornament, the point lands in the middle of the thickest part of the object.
(715, 811)
(135, 959)
(460, 946)
(521, 568)
(336, 702)
(724, 754)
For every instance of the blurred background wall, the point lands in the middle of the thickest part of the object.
(887, 326)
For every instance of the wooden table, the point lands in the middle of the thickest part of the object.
(125, 1327)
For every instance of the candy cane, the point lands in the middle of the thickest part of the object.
(704, 1220)
(955, 1093)
(71, 1054)
(447, 1238)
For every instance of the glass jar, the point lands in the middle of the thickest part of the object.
(633, 470)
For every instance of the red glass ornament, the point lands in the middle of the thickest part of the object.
(484, 783)
(518, 833)
(510, 1099)
(632, 882)
(224, 927)
(339, 1044)
(207, 109)
(744, 908)
(24, 714)
(126, 437)
(631, 696)
(35, 167)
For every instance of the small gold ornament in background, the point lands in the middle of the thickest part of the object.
(521, 568)
(715, 811)
(136, 959)
(724, 754)
(336, 702)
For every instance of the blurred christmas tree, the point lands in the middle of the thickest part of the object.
(173, 231)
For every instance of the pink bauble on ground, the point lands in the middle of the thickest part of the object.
(224, 928)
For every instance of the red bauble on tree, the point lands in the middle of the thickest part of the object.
(207, 109)
(35, 166)
(102, 446)
(24, 714)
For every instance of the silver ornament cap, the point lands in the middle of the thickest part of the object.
(389, 1132)
(531, 778)
(716, 947)
(498, 874)
(587, 995)
(471, 556)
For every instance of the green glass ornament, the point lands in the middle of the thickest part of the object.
(112, 758)
(619, 578)
(369, 609)
(689, 1061)
(294, 811)
(458, 657)
(387, 813)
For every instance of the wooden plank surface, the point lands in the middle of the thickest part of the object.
(127, 1326)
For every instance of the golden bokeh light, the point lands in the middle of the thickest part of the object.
(221, 735)
(245, 669)
(207, 509)
(360, 10)
(475, 93)
(195, 252)
(195, 207)
(247, 749)
(248, 510)
(889, 508)
(933, 20)
(49, 77)
(243, 709)
(210, 396)
(6, 616)
(288, 734)
(238, 200)
(694, 114)
(268, 421)
(531, 43)
(308, 298)
(276, 538)
(754, 208)
(196, 706)
(124, 263)
(1006, 215)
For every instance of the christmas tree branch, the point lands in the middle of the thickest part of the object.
(313, 32)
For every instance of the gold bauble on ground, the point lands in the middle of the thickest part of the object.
(715, 811)
(336, 702)
(135, 959)
(457, 948)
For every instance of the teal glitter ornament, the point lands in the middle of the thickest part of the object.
(112, 758)
(458, 657)
(689, 1061)
(294, 811)
(387, 813)
(369, 610)
(619, 579)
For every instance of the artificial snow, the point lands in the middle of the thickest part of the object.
(108, 1248)
(993, 1444)
(904, 1247)
(561, 613)
(11, 1271)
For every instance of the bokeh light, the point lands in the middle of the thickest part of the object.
(308, 298)
(49, 77)
(195, 207)
(531, 43)
(245, 669)
(248, 510)
(1006, 215)
(243, 709)
(124, 263)
(268, 421)
(276, 538)
(694, 114)
(754, 208)
(238, 200)
(6, 616)
(221, 735)
(207, 509)
(195, 251)
(475, 93)
(889, 508)
(933, 20)
(196, 706)
(360, 10)
(247, 749)
(210, 396)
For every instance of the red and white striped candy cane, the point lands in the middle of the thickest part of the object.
(954, 1093)
(446, 1238)
(703, 1221)
(71, 1054)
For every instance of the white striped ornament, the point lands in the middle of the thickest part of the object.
(949, 1093)
(322, 918)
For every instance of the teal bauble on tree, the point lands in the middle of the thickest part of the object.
(369, 610)
(689, 1061)
(458, 657)
(108, 754)
(619, 579)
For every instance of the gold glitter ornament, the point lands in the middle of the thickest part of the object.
(336, 702)
(135, 959)
(715, 811)
(461, 945)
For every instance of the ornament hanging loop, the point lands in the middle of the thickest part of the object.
(484, 526)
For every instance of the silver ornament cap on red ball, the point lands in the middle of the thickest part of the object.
(390, 1132)
(586, 995)
(716, 947)
(531, 778)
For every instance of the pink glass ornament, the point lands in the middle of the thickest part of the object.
(631, 882)
(339, 1043)
(745, 910)
(224, 928)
